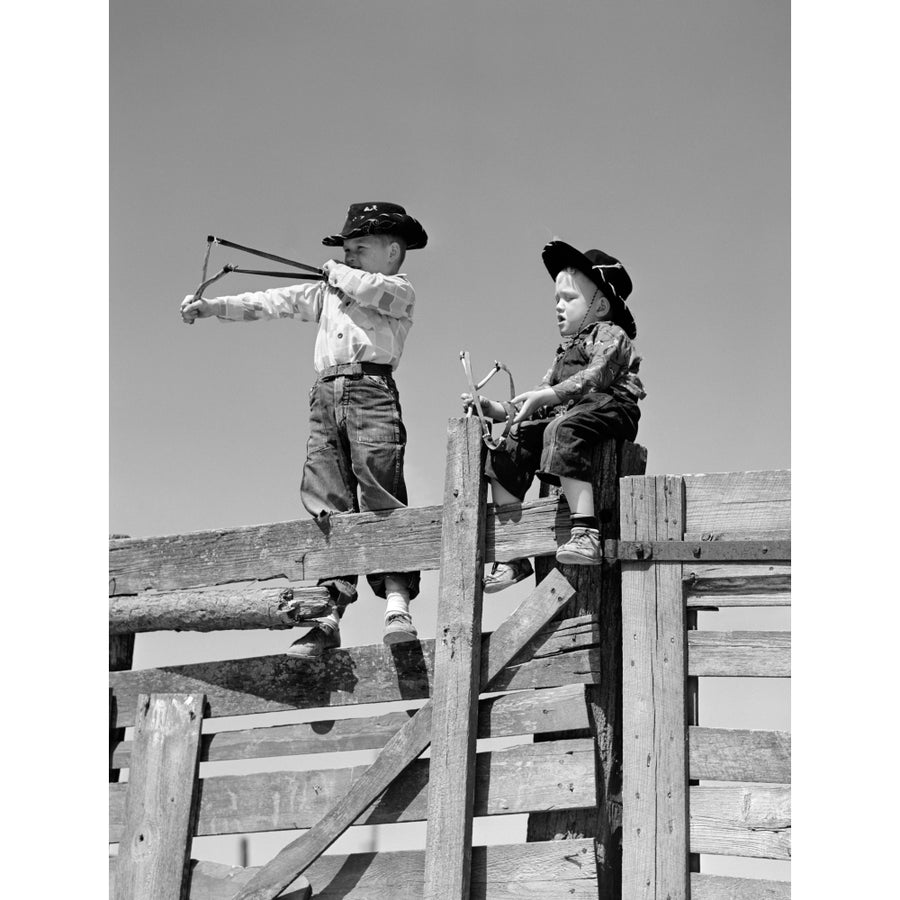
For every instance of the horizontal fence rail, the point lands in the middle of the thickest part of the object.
(560, 655)
(552, 870)
(525, 712)
(409, 539)
(521, 779)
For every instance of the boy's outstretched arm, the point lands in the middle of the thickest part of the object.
(298, 301)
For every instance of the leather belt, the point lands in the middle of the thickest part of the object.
(355, 370)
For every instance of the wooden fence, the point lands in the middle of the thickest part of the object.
(547, 672)
(690, 789)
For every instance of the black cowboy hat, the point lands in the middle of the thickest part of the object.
(604, 270)
(379, 218)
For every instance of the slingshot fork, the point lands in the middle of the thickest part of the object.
(487, 435)
(314, 273)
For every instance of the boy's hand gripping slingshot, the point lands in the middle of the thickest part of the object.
(487, 436)
(315, 274)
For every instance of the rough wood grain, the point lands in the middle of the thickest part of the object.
(404, 539)
(671, 697)
(525, 712)
(722, 887)
(155, 849)
(760, 654)
(700, 550)
(655, 852)
(737, 584)
(534, 612)
(738, 502)
(373, 674)
(457, 666)
(598, 596)
(520, 779)
(354, 675)
(121, 653)
(551, 870)
(742, 820)
(725, 754)
(218, 609)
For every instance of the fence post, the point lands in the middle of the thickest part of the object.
(457, 662)
(155, 849)
(655, 771)
(598, 593)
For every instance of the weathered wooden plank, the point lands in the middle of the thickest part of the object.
(457, 666)
(778, 534)
(598, 594)
(655, 851)
(535, 611)
(155, 846)
(726, 754)
(373, 674)
(525, 712)
(669, 667)
(739, 502)
(723, 887)
(218, 609)
(742, 820)
(349, 676)
(121, 653)
(551, 870)
(299, 550)
(520, 779)
(737, 584)
(760, 654)
(709, 550)
(638, 522)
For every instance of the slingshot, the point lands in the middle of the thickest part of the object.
(315, 274)
(487, 435)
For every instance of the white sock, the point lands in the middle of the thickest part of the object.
(397, 602)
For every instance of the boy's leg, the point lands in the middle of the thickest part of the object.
(328, 485)
(568, 446)
(510, 470)
(376, 438)
(583, 547)
(398, 624)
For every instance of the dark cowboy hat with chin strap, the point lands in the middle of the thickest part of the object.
(604, 270)
(379, 218)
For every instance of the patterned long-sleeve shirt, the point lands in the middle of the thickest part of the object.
(604, 360)
(362, 316)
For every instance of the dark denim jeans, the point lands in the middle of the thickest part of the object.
(561, 446)
(354, 457)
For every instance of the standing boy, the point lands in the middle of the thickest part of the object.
(591, 392)
(354, 457)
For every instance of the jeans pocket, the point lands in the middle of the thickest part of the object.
(376, 417)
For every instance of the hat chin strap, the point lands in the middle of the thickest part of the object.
(587, 312)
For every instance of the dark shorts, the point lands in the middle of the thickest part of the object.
(354, 457)
(561, 447)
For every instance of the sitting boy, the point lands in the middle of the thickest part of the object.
(357, 438)
(591, 392)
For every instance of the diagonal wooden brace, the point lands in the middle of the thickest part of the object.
(407, 744)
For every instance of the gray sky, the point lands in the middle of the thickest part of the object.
(658, 132)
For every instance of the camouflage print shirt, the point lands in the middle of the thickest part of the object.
(362, 316)
(599, 359)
